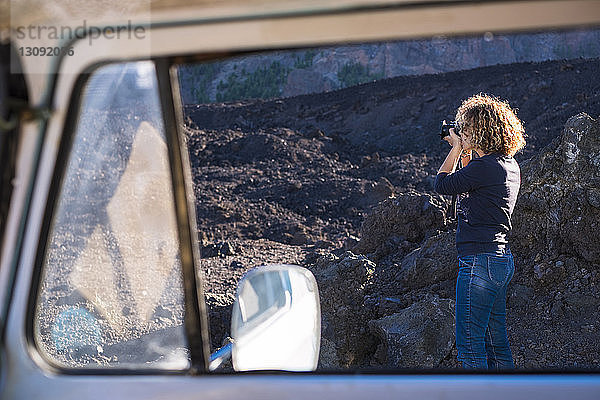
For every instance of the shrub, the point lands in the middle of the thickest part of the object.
(355, 74)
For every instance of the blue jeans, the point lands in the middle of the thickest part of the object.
(481, 337)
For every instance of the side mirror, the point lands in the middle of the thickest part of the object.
(276, 320)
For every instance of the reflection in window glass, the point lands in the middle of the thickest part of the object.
(111, 293)
(261, 295)
(326, 157)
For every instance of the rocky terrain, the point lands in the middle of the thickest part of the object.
(341, 182)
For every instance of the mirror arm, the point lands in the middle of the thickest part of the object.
(219, 357)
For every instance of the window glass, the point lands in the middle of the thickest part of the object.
(326, 157)
(111, 294)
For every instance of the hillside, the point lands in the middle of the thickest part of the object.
(291, 73)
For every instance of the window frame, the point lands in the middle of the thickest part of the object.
(66, 137)
(195, 317)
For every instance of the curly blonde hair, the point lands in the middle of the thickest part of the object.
(492, 124)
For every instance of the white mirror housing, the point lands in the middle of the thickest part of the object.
(276, 320)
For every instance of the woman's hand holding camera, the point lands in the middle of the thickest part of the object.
(449, 164)
(453, 139)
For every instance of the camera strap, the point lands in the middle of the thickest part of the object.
(454, 203)
(453, 206)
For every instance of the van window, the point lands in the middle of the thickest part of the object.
(326, 157)
(111, 294)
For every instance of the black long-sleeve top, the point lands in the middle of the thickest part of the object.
(487, 190)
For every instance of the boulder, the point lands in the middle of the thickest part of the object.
(558, 209)
(420, 336)
(410, 216)
(343, 283)
(434, 262)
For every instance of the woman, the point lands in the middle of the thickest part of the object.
(487, 189)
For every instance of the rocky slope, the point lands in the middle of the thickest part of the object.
(341, 182)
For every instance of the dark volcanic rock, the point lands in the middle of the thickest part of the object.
(401, 115)
(410, 216)
(558, 211)
(420, 336)
(435, 261)
(222, 249)
(518, 296)
(343, 283)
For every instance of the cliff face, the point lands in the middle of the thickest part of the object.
(326, 69)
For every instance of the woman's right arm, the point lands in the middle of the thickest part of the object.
(464, 180)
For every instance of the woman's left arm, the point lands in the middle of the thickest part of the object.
(449, 181)
(466, 179)
(449, 165)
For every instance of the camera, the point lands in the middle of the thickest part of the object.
(445, 128)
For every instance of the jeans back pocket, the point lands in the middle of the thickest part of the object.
(498, 269)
